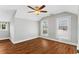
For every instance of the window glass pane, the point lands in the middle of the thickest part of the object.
(3, 26)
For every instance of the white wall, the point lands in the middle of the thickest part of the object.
(12, 29)
(52, 26)
(5, 34)
(78, 34)
(24, 30)
(6, 16)
(73, 26)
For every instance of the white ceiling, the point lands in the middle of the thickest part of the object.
(22, 10)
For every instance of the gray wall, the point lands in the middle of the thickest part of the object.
(78, 33)
(74, 24)
(5, 34)
(24, 29)
(74, 28)
(6, 16)
(52, 26)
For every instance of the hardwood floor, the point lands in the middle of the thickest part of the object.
(36, 46)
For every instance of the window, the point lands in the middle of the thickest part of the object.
(63, 27)
(44, 27)
(3, 26)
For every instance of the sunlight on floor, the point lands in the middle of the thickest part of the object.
(45, 44)
(2, 50)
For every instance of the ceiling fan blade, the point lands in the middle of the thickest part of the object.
(42, 7)
(31, 7)
(30, 11)
(44, 11)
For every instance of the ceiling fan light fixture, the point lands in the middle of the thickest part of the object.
(37, 9)
(37, 12)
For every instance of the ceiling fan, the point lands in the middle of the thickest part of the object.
(37, 9)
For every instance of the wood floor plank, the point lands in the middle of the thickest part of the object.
(36, 46)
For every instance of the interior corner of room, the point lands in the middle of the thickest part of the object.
(60, 23)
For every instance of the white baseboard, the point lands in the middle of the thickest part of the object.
(4, 38)
(77, 47)
(59, 41)
(33, 37)
(30, 38)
